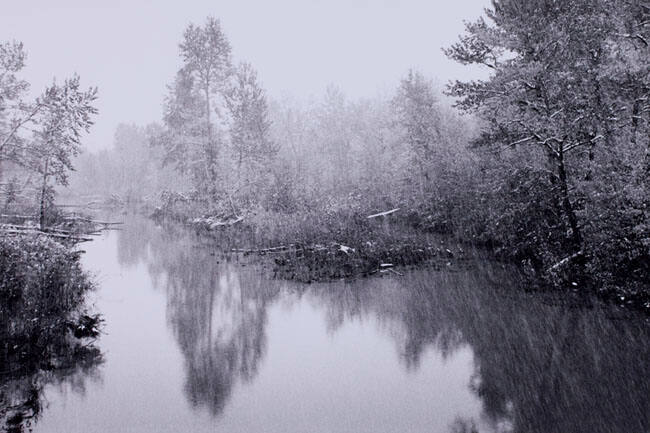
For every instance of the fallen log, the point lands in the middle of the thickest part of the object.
(25, 217)
(17, 227)
(48, 229)
(38, 232)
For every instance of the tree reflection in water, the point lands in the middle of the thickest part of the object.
(21, 395)
(540, 366)
(216, 310)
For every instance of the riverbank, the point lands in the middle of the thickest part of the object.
(206, 334)
(311, 246)
(42, 293)
(46, 330)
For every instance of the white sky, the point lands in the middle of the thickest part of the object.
(129, 49)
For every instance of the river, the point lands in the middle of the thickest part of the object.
(195, 342)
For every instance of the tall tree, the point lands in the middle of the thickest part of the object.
(41, 135)
(182, 136)
(206, 54)
(418, 116)
(333, 137)
(250, 142)
(68, 113)
(193, 110)
(565, 114)
(554, 84)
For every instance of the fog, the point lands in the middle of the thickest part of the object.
(130, 49)
(341, 216)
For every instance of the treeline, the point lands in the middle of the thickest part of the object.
(546, 162)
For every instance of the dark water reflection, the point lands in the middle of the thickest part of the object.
(21, 395)
(199, 343)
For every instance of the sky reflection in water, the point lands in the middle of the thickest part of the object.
(197, 344)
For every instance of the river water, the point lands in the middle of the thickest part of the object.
(194, 342)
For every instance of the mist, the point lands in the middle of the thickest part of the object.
(307, 216)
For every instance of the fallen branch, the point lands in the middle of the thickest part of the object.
(261, 250)
(393, 271)
(565, 260)
(388, 212)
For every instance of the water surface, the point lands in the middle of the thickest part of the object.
(196, 343)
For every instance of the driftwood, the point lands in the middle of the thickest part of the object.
(385, 213)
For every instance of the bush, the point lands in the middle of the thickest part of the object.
(42, 288)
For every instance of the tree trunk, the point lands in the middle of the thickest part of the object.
(636, 113)
(207, 113)
(601, 123)
(553, 180)
(636, 107)
(576, 236)
(210, 149)
(590, 160)
(43, 192)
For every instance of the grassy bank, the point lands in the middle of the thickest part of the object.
(320, 245)
(46, 332)
(335, 240)
(42, 288)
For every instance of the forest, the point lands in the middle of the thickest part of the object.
(544, 163)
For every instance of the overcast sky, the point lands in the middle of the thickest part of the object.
(129, 49)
